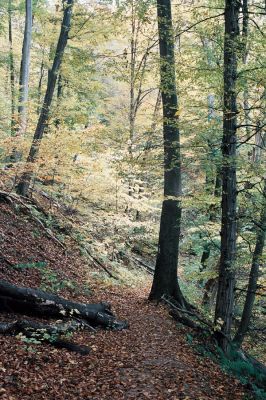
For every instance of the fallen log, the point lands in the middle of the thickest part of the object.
(95, 260)
(142, 264)
(36, 332)
(36, 302)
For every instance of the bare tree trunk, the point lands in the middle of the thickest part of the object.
(133, 44)
(40, 85)
(24, 184)
(254, 273)
(59, 98)
(245, 28)
(226, 284)
(136, 80)
(259, 144)
(25, 70)
(165, 277)
(213, 181)
(11, 67)
(257, 261)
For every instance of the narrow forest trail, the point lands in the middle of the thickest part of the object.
(150, 360)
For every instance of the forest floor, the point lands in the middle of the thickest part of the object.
(150, 360)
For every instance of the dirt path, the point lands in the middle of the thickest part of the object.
(151, 360)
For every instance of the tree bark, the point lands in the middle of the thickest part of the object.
(12, 68)
(213, 181)
(59, 99)
(40, 84)
(226, 283)
(244, 48)
(133, 46)
(254, 274)
(25, 70)
(245, 29)
(24, 184)
(165, 280)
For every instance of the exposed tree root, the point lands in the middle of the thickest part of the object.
(199, 324)
(178, 314)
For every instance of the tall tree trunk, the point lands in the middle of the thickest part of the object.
(213, 181)
(40, 85)
(59, 98)
(257, 261)
(260, 135)
(226, 284)
(24, 184)
(137, 68)
(11, 68)
(245, 29)
(254, 274)
(165, 277)
(213, 184)
(25, 70)
(133, 44)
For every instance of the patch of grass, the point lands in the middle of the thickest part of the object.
(37, 264)
(131, 277)
(245, 372)
(232, 364)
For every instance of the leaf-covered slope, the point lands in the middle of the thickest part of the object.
(150, 360)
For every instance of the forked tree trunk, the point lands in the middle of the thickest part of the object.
(24, 184)
(165, 277)
(226, 284)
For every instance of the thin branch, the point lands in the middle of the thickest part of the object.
(257, 26)
(197, 23)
